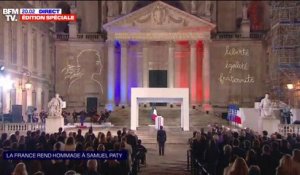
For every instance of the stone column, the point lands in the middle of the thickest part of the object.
(6, 39)
(124, 8)
(206, 76)
(29, 97)
(19, 48)
(19, 94)
(40, 55)
(73, 30)
(245, 24)
(24, 103)
(73, 26)
(171, 65)
(193, 7)
(39, 99)
(145, 65)
(112, 10)
(111, 75)
(51, 57)
(103, 13)
(208, 8)
(193, 73)
(245, 11)
(31, 48)
(6, 100)
(46, 98)
(46, 57)
(124, 73)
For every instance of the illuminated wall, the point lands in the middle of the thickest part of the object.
(117, 72)
(134, 56)
(182, 67)
(237, 72)
(199, 50)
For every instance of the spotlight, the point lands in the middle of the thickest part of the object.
(2, 68)
(290, 86)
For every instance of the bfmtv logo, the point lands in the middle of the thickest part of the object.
(10, 14)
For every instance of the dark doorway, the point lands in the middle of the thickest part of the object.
(91, 104)
(158, 79)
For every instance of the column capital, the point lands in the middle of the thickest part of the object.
(171, 43)
(124, 8)
(124, 43)
(145, 44)
(192, 43)
(193, 7)
(205, 42)
(110, 42)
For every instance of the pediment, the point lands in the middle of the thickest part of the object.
(158, 16)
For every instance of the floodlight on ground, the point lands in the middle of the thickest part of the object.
(290, 86)
(2, 68)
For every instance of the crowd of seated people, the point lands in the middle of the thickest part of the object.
(61, 141)
(93, 115)
(34, 117)
(222, 151)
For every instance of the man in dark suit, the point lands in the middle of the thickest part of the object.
(161, 139)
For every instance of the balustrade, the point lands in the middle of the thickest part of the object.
(22, 127)
(81, 36)
(286, 129)
(237, 36)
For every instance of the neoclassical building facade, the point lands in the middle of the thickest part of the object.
(164, 29)
(209, 47)
(27, 52)
(217, 49)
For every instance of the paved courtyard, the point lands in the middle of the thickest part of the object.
(175, 160)
(173, 163)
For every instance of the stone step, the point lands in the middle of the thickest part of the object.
(170, 139)
(173, 163)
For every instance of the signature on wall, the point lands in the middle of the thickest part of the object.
(74, 72)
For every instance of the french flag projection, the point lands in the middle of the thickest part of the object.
(232, 114)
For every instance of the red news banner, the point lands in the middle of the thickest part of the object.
(48, 17)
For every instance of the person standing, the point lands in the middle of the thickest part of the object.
(74, 115)
(161, 139)
(43, 116)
